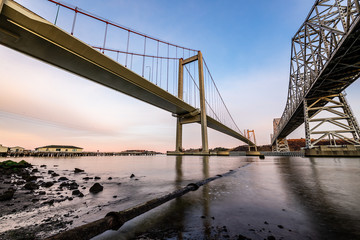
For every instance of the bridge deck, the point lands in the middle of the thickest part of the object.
(24, 31)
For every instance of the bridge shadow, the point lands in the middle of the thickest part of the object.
(328, 211)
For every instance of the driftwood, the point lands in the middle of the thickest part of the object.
(114, 220)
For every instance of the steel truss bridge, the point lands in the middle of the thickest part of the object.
(166, 75)
(325, 60)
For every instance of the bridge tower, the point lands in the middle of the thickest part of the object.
(199, 115)
(339, 126)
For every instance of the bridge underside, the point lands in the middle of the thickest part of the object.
(341, 71)
(24, 31)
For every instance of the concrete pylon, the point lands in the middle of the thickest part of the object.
(196, 116)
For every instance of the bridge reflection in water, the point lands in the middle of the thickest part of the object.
(288, 197)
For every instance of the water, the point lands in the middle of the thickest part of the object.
(284, 197)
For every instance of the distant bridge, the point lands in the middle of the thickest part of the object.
(325, 60)
(163, 74)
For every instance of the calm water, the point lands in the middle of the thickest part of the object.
(286, 197)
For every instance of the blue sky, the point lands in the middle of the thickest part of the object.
(246, 45)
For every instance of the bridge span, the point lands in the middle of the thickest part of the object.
(325, 60)
(25, 31)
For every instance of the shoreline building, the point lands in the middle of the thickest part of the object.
(3, 150)
(59, 149)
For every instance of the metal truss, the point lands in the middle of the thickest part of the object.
(341, 120)
(318, 67)
(281, 145)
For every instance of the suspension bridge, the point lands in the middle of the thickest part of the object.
(325, 60)
(168, 76)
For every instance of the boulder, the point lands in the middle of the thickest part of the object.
(78, 170)
(31, 186)
(7, 195)
(96, 188)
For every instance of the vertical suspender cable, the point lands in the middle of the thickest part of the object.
(106, 28)
(152, 69)
(157, 62)
(73, 26)
(57, 13)
(127, 49)
(143, 67)
(167, 71)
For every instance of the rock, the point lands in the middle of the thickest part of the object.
(75, 192)
(97, 178)
(44, 166)
(7, 195)
(109, 178)
(31, 186)
(50, 171)
(132, 175)
(70, 198)
(96, 188)
(280, 226)
(69, 185)
(87, 178)
(56, 165)
(63, 179)
(266, 222)
(54, 174)
(42, 193)
(271, 237)
(81, 194)
(78, 170)
(50, 202)
(35, 170)
(114, 196)
(47, 184)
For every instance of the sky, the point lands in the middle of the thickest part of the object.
(246, 45)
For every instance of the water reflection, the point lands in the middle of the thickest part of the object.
(206, 199)
(313, 187)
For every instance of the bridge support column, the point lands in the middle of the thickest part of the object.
(180, 95)
(281, 145)
(338, 128)
(204, 135)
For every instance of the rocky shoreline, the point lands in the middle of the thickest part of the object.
(25, 188)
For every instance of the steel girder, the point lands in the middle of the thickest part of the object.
(325, 58)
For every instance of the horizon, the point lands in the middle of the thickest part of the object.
(40, 103)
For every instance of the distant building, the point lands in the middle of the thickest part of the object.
(16, 149)
(3, 149)
(58, 148)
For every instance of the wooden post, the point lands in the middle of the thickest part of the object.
(180, 95)
(204, 135)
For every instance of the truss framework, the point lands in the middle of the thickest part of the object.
(313, 48)
(342, 120)
(281, 145)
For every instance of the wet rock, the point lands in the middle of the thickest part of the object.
(50, 202)
(42, 193)
(114, 196)
(280, 226)
(7, 195)
(81, 194)
(47, 184)
(132, 175)
(78, 170)
(109, 178)
(35, 170)
(44, 166)
(266, 223)
(96, 188)
(87, 178)
(69, 185)
(56, 165)
(97, 178)
(241, 237)
(75, 192)
(31, 186)
(70, 198)
(54, 174)
(20, 182)
(271, 237)
(63, 179)
(50, 171)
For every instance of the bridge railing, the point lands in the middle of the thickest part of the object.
(154, 59)
(313, 46)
